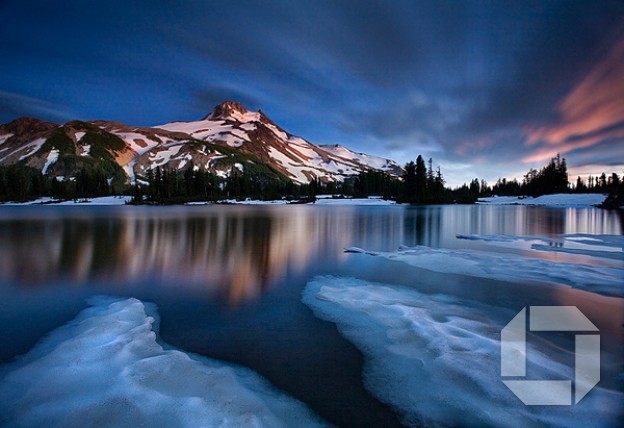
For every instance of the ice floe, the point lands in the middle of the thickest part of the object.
(436, 359)
(502, 238)
(615, 255)
(615, 241)
(106, 368)
(604, 246)
(508, 267)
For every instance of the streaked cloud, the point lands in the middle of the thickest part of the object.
(591, 113)
(456, 81)
(21, 105)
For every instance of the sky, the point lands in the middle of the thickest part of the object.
(487, 89)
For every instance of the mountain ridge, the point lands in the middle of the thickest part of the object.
(230, 136)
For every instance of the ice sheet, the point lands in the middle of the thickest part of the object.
(436, 359)
(615, 255)
(615, 241)
(106, 368)
(604, 246)
(508, 267)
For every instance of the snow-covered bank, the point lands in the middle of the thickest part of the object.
(436, 358)
(508, 267)
(105, 368)
(104, 200)
(353, 201)
(321, 200)
(559, 199)
(241, 202)
(562, 200)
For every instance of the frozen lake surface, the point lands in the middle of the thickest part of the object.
(256, 315)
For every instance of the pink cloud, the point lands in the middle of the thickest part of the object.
(588, 113)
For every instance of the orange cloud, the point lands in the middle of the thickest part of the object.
(469, 146)
(589, 114)
(595, 170)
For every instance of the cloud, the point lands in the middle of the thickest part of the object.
(458, 81)
(16, 105)
(594, 170)
(591, 113)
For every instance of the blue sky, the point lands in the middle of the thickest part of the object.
(486, 88)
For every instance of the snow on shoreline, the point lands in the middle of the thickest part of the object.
(107, 365)
(321, 200)
(122, 200)
(104, 200)
(559, 199)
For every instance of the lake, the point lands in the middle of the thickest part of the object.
(272, 289)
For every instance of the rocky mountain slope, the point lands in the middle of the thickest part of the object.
(229, 137)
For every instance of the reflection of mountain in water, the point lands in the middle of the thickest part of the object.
(238, 252)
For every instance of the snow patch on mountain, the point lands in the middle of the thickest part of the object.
(138, 142)
(52, 158)
(29, 149)
(163, 156)
(296, 171)
(245, 117)
(4, 137)
(372, 161)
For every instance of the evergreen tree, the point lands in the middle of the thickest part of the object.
(421, 180)
(409, 183)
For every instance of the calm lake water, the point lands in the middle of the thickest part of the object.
(228, 280)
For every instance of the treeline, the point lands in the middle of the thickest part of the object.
(552, 178)
(22, 183)
(419, 184)
(163, 186)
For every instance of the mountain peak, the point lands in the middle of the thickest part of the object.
(27, 125)
(232, 110)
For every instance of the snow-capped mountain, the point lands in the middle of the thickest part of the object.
(231, 125)
(229, 137)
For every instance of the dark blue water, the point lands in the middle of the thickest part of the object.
(228, 280)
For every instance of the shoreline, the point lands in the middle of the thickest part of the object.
(562, 200)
